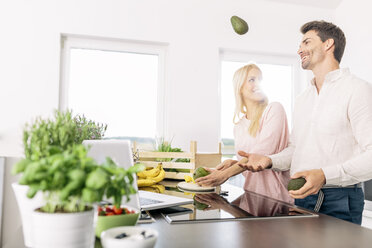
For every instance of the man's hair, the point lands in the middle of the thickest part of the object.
(325, 31)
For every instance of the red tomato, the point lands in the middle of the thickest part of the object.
(108, 209)
(118, 211)
(109, 213)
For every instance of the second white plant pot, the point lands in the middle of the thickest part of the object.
(61, 230)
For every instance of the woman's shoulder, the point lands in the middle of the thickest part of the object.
(274, 108)
(274, 111)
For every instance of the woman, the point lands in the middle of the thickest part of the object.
(262, 129)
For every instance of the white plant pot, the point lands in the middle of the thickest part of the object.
(26, 207)
(61, 230)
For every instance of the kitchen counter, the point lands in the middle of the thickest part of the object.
(321, 231)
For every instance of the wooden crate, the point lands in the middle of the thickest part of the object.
(196, 160)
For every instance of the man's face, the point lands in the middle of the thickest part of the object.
(311, 50)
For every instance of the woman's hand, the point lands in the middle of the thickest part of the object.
(216, 178)
(226, 164)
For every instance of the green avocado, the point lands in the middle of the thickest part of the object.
(240, 26)
(295, 184)
(200, 172)
(199, 205)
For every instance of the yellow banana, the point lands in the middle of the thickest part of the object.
(149, 188)
(159, 177)
(149, 173)
(145, 182)
(159, 187)
(189, 179)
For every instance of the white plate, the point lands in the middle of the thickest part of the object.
(193, 187)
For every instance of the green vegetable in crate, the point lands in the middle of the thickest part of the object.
(297, 183)
(240, 26)
(200, 172)
(165, 146)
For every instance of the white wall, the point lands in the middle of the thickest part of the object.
(11, 229)
(355, 19)
(194, 30)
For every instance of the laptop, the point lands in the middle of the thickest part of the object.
(121, 153)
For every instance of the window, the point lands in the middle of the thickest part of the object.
(118, 83)
(278, 77)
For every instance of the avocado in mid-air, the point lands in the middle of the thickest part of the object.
(199, 205)
(240, 26)
(297, 183)
(200, 172)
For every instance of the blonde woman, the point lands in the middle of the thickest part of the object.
(259, 128)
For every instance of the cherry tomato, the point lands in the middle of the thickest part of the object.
(118, 211)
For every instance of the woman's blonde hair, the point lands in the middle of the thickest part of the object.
(240, 77)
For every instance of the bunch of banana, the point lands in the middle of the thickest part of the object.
(157, 188)
(151, 176)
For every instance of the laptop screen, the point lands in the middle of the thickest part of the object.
(120, 152)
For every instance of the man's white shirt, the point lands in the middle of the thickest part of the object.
(332, 131)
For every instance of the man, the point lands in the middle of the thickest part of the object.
(331, 140)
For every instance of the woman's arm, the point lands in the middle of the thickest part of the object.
(218, 177)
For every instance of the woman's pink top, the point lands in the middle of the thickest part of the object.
(271, 138)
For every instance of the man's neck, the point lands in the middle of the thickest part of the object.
(321, 70)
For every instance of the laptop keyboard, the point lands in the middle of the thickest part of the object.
(146, 201)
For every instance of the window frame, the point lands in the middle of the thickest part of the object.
(72, 41)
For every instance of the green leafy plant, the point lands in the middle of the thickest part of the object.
(57, 164)
(88, 129)
(46, 137)
(71, 180)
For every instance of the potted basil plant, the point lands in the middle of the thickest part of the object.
(43, 138)
(72, 183)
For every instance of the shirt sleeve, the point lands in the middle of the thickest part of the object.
(282, 161)
(273, 136)
(358, 168)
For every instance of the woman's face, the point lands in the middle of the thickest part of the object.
(250, 89)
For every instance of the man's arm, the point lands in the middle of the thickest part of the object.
(358, 168)
(282, 160)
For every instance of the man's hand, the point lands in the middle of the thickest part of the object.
(226, 164)
(216, 178)
(255, 162)
(315, 179)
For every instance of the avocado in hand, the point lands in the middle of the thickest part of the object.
(297, 183)
(200, 172)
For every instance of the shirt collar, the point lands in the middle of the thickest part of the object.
(332, 76)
